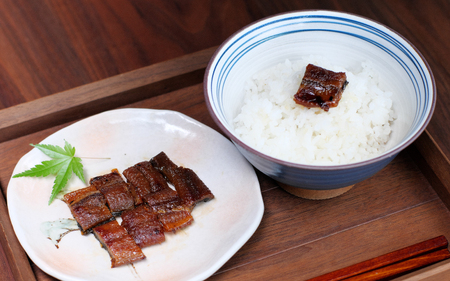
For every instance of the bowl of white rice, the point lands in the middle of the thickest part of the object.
(252, 78)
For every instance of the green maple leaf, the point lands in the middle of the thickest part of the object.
(63, 164)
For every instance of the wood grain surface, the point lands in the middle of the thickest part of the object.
(66, 50)
(301, 238)
(50, 46)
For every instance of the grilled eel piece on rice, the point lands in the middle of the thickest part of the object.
(321, 88)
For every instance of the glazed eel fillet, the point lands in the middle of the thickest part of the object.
(163, 200)
(320, 88)
(120, 245)
(151, 187)
(175, 219)
(115, 190)
(188, 185)
(144, 179)
(143, 225)
(88, 207)
(148, 206)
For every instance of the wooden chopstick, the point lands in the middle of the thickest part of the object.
(412, 257)
(394, 270)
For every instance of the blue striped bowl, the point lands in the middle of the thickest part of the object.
(343, 39)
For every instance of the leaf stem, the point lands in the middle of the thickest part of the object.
(102, 158)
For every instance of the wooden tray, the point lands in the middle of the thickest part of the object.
(405, 203)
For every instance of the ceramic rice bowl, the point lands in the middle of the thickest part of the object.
(343, 39)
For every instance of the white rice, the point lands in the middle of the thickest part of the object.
(357, 129)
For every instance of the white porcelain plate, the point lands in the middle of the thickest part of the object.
(126, 137)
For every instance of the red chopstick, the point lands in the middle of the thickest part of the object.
(394, 263)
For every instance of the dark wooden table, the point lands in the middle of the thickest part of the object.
(61, 61)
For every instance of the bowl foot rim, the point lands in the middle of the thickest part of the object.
(313, 194)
